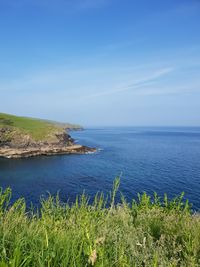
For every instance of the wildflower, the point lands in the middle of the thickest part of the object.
(100, 241)
(93, 257)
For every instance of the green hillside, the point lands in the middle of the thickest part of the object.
(38, 129)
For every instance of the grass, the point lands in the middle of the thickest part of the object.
(145, 232)
(36, 128)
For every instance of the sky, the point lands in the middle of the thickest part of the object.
(101, 62)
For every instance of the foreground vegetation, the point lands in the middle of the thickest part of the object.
(143, 233)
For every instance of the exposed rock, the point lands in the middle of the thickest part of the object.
(47, 151)
(15, 144)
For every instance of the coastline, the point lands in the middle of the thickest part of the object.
(13, 153)
(23, 137)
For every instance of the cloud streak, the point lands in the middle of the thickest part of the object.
(135, 85)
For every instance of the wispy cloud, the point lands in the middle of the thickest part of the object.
(136, 84)
(168, 90)
(66, 78)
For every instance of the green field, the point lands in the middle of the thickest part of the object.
(146, 232)
(38, 129)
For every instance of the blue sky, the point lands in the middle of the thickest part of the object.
(101, 62)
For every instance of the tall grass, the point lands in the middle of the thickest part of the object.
(145, 232)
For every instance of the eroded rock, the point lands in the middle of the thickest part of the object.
(15, 144)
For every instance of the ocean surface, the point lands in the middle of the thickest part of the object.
(164, 160)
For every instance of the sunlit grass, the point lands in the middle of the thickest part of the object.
(146, 232)
(36, 128)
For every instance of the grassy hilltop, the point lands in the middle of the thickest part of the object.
(37, 129)
(143, 233)
(22, 137)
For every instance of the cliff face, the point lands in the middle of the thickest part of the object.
(14, 138)
(24, 137)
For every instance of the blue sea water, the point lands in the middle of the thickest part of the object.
(165, 160)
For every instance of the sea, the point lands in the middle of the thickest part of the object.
(147, 159)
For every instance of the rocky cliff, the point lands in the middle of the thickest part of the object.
(24, 137)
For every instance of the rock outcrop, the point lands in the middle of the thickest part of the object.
(16, 144)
